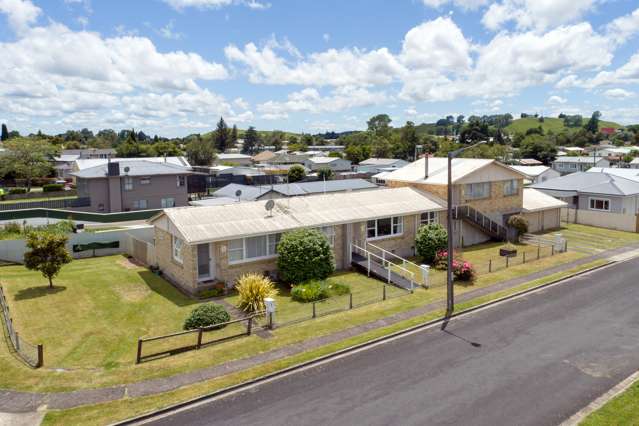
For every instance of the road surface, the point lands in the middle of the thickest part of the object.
(532, 361)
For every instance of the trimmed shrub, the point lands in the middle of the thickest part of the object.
(519, 222)
(252, 289)
(325, 173)
(53, 187)
(206, 315)
(296, 173)
(12, 228)
(464, 271)
(431, 239)
(14, 191)
(304, 255)
(311, 291)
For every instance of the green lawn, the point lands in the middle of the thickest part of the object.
(33, 200)
(621, 411)
(591, 239)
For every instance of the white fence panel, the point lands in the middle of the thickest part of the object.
(620, 222)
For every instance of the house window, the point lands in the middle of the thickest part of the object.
(511, 187)
(428, 218)
(573, 166)
(168, 203)
(128, 183)
(181, 181)
(385, 227)
(145, 180)
(176, 245)
(253, 248)
(601, 204)
(329, 232)
(476, 191)
(139, 204)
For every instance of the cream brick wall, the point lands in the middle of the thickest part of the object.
(404, 244)
(498, 202)
(185, 274)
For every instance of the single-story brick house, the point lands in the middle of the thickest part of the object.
(197, 247)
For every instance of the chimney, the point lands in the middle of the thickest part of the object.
(113, 169)
(425, 165)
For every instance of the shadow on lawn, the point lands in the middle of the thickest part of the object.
(162, 287)
(35, 292)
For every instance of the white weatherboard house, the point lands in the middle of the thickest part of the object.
(536, 174)
(566, 165)
(199, 246)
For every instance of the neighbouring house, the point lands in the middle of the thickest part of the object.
(608, 131)
(63, 163)
(528, 162)
(264, 157)
(90, 152)
(542, 211)
(598, 198)
(536, 174)
(86, 163)
(568, 164)
(264, 192)
(133, 185)
(235, 159)
(197, 247)
(327, 148)
(485, 193)
(634, 164)
(378, 165)
(334, 163)
(285, 158)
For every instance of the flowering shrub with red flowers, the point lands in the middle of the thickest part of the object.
(463, 271)
(441, 260)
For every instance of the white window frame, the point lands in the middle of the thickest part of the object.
(329, 232)
(177, 246)
(181, 181)
(573, 166)
(432, 217)
(137, 204)
(165, 204)
(271, 249)
(128, 183)
(595, 199)
(397, 228)
(469, 191)
(511, 188)
(145, 180)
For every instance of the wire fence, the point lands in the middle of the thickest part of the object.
(32, 354)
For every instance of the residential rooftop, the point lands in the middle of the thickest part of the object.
(580, 159)
(535, 201)
(133, 168)
(588, 182)
(85, 163)
(531, 171)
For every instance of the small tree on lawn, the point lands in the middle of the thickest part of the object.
(431, 239)
(304, 255)
(325, 173)
(47, 253)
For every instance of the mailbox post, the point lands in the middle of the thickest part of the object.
(269, 302)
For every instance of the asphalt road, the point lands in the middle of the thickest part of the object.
(532, 361)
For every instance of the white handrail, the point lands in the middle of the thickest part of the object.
(404, 261)
(386, 264)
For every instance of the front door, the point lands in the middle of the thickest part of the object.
(204, 262)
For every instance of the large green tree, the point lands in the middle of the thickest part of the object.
(593, 124)
(408, 141)
(537, 147)
(222, 136)
(234, 136)
(251, 141)
(47, 253)
(379, 124)
(27, 158)
(200, 152)
(5, 133)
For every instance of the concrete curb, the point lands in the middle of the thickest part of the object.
(141, 419)
(621, 387)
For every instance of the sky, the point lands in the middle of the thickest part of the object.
(173, 67)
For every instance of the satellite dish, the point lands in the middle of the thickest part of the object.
(238, 193)
(126, 169)
(270, 204)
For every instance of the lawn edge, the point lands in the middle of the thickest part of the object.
(347, 351)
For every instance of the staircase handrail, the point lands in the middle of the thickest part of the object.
(386, 264)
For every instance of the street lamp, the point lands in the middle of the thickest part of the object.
(450, 296)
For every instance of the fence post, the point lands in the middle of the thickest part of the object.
(40, 356)
(384, 292)
(490, 265)
(350, 301)
(139, 356)
(249, 326)
(314, 312)
(369, 264)
(199, 338)
(507, 262)
(552, 250)
(538, 252)
(17, 340)
(524, 257)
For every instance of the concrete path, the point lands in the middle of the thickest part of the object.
(534, 360)
(22, 402)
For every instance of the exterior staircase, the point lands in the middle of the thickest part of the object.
(480, 221)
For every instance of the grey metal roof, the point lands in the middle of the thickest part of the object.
(251, 193)
(136, 168)
(581, 159)
(380, 161)
(591, 183)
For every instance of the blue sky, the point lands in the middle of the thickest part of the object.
(173, 67)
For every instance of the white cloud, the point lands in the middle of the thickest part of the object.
(462, 4)
(556, 100)
(20, 13)
(626, 74)
(169, 33)
(535, 14)
(624, 27)
(326, 37)
(215, 4)
(618, 94)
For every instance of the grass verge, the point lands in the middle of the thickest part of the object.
(118, 410)
(621, 410)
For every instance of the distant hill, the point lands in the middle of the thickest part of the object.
(520, 125)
